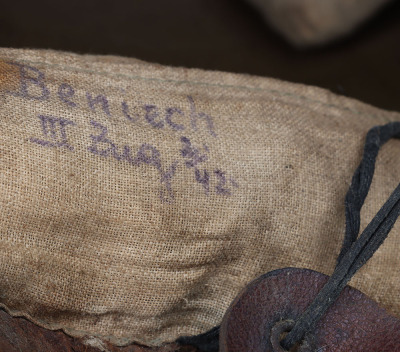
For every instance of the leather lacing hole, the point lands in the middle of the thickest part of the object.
(278, 333)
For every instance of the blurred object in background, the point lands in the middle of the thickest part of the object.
(224, 35)
(307, 23)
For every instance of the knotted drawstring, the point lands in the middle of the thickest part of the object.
(354, 253)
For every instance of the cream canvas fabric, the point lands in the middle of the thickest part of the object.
(137, 200)
(313, 22)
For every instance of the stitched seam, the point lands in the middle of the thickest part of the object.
(134, 77)
(124, 339)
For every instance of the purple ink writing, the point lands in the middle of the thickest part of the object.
(192, 155)
(32, 85)
(221, 186)
(125, 111)
(98, 100)
(203, 177)
(147, 154)
(102, 145)
(151, 116)
(168, 117)
(54, 129)
(65, 93)
(166, 193)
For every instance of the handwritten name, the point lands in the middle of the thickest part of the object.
(193, 158)
(32, 86)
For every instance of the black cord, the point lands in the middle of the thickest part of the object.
(354, 253)
(362, 179)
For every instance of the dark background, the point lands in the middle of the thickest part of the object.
(223, 35)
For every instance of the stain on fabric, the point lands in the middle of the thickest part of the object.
(8, 76)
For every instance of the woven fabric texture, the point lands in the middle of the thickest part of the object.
(137, 200)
